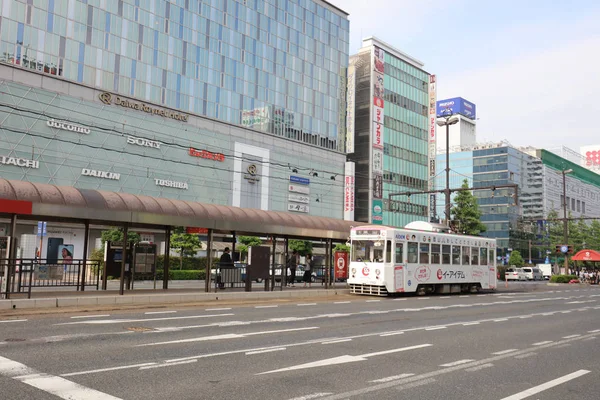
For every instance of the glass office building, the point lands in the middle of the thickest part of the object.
(390, 146)
(272, 65)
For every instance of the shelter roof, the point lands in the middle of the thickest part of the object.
(586, 255)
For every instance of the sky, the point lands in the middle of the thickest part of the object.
(532, 67)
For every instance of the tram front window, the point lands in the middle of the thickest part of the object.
(367, 251)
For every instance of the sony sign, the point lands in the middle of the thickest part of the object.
(173, 184)
(100, 174)
(143, 142)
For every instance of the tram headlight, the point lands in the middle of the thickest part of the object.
(353, 271)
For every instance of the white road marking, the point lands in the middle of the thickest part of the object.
(542, 343)
(159, 312)
(399, 299)
(266, 306)
(341, 302)
(479, 367)
(548, 385)
(55, 385)
(91, 316)
(471, 323)
(108, 369)
(249, 353)
(455, 363)
(342, 359)
(392, 334)
(167, 364)
(391, 378)
(306, 304)
(218, 309)
(501, 320)
(435, 328)
(226, 336)
(372, 301)
(337, 341)
(498, 353)
(590, 338)
(463, 296)
(525, 316)
(521, 356)
(12, 320)
(594, 331)
(122, 321)
(570, 336)
(311, 396)
(423, 298)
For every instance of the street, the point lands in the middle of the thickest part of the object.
(509, 345)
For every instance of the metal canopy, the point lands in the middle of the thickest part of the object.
(69, 203)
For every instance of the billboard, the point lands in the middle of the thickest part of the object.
(350, 95)
(432, 145)
(349, 172)
(457, 105)
(377, 129)
(592, 156)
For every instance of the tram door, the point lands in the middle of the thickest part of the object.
(399, 265)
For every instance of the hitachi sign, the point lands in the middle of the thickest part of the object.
(100, 174)
(19, 162)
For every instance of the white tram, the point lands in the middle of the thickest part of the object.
(422, 257)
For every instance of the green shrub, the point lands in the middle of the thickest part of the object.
(562, 278)
(183, 275)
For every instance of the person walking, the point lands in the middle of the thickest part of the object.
(308, 269)
(292, 263)
(224, 262)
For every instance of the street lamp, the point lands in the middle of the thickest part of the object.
(447, 120)
(565, 223)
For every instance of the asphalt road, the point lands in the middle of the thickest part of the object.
(509, 346)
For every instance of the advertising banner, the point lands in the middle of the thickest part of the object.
(349, 191)
(432, 145)
(378, 84)
(377, 212)
(378, 135)
(341, 264)
(377, 161)
(457, 105)
(377, 186)
(350, 97)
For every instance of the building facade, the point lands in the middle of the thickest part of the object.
(390, 146)
(224, 102)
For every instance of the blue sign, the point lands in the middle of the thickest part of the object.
(457, 105)
(300, 180)
(41, 229)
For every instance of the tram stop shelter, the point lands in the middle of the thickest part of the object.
(587, 256)
(20, 200)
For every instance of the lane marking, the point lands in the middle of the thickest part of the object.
(167, 365)
(590, 338)
(266, 306)
(435, 328)
(249, 353)
(499, 353)
(218, 309)
(391, 378)
(372, 301)
(122, 321)
(526, 355)
(12, 320)
(159, 312)
(525, 316)
(55, 385)
(226, 336)
(93, 371)
(423, 298)
(480, 367)
(470, 323)
(500, 320)
(312, 396)
(91, 316)
(542, 343)
(306, 304)
(337, 341)
(548, 385)
(594, 331)
(341, 302)
(570, 336)
(455, 363)
(392, 333)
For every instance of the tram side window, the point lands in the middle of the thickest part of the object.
(474, 255)
(446, 254)
(399, 252)
(483, 256)
(455, 255)
(492, 256)
(435, 253)
(413, 250)
(466, 255)
(424, 253)
(388, 251)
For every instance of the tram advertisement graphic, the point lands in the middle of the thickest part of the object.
(422, 274)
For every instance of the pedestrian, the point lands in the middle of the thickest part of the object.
(308, 269)
(291, 264)
(224, 262)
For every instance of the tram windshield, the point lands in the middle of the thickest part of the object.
(367, 250)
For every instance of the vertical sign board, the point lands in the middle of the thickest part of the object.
(349, 191)
(432, 145)
(4, 254)
(377, 135)
(341, 264)
(350, 97)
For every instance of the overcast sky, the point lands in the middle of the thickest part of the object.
(532, 67)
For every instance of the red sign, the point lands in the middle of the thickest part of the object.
(378, 102)
(349, 194)
(194, 230)
(341, 264)
(15, 206)
(206, 154)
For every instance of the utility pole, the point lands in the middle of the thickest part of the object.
(530, 252)
(565, 220)
(447, 120)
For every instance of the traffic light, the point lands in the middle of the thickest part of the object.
(558, 248)
(570, 250)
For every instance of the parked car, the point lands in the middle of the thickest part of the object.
(299, 273)
(515, 274)
(533, 274)
(240, 265)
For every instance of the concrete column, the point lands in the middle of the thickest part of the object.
(167, 259)
(124, 260)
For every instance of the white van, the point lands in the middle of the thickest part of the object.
(533, 273)
(515, 274)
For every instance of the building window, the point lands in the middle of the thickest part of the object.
(573, 204)
(578, 206)
(583, 207)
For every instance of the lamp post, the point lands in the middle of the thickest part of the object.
(565, 222)
(447, 120)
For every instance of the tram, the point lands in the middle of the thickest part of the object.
(422, 257)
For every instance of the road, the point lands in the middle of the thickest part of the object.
(509, 346)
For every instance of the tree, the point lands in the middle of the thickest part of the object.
(342, 247)
(516, 259)
(466, 216)
(594, 242)
(116, 235)
(245, 243)
(187, 244)
(303, 247)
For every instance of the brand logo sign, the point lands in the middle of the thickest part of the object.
(298, 198)
(19, 162)
(143, 142)
(172, 184)
(299, 189)
(67, 126)
(250, 176)
(300, 180)
(100, 174)
(206, 154)
(109, 99)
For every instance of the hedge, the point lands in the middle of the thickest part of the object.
(562, 278)
(183, 275)
(189, 263)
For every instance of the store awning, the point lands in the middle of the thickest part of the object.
(586, 255)
(66, 202)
